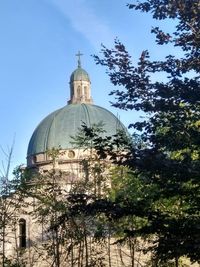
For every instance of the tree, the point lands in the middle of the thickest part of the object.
(91, 219)
(109, 202)
(45, 195)
(65, 225)
(170, 157)
(9, 205)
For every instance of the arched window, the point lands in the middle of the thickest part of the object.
(22, 233)
(85, 92)
(79, 92)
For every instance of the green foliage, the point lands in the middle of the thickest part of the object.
(10, 205)
(168, 162)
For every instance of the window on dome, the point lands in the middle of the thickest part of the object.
(22, 233)
(71, 154)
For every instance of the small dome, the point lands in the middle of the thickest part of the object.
(79, 75)
(56, 130)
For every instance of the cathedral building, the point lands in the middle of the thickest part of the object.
(32, 236)
(27, 235)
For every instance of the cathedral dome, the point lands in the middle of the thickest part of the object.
(56, 130)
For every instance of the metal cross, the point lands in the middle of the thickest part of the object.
(79, 59)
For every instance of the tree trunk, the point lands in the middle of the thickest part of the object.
(86, 249)
(109, 252)
(132, 251)
(176, 261)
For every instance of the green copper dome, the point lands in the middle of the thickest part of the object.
(79, 75)
(58, 127)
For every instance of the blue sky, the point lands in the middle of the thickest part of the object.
(39, 40)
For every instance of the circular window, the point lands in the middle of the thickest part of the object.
(71, 154)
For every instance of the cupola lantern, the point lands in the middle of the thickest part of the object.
(80, 85)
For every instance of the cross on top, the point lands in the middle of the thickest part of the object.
(79, 59)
